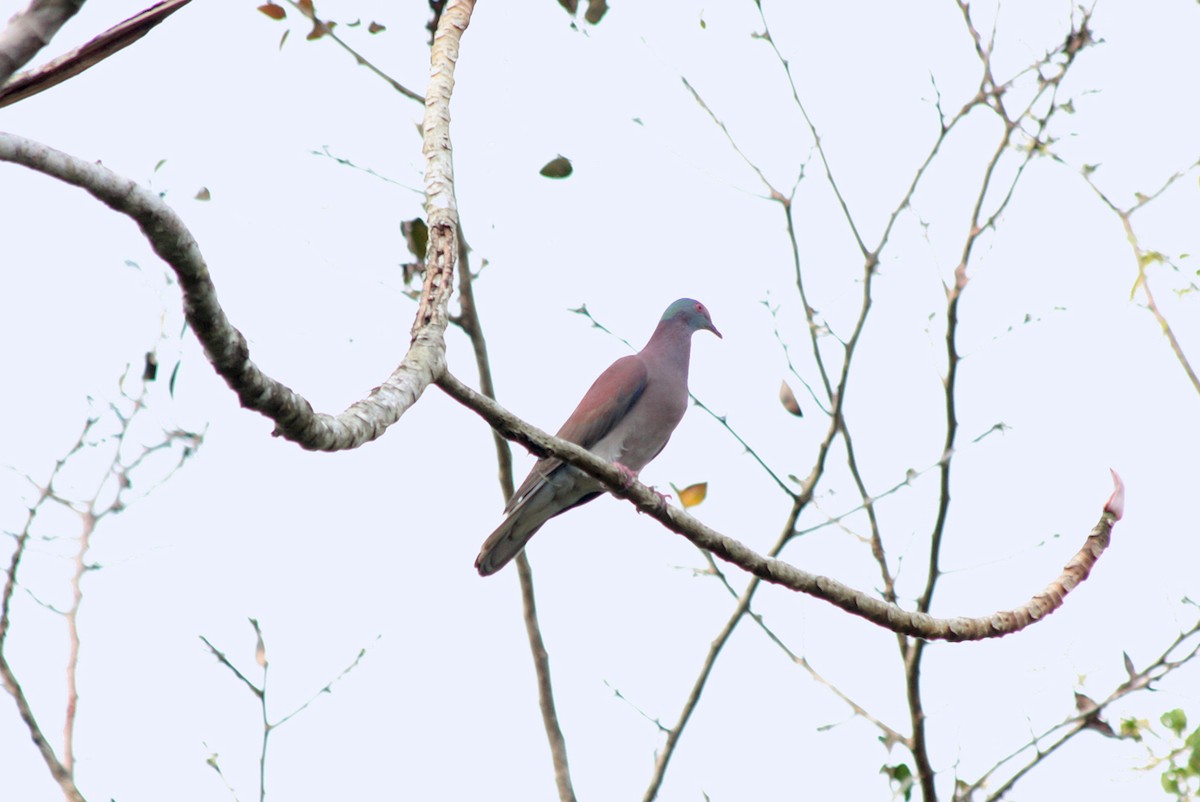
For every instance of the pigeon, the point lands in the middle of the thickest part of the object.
(626, 417)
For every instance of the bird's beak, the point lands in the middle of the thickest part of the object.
(713, 329)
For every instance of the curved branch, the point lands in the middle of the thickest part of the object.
(225, 346)
(86, 56)
(778, 572)
(30, 30)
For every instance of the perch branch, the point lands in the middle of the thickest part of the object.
(921, 625)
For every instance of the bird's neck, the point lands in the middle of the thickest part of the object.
(670, 346)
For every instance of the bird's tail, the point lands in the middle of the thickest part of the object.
(506, 542)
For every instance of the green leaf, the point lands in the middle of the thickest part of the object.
(1132, 728)
(1193, 763)
(1175, 720)
(1170, 783)
(1193, 740)
(901, 775)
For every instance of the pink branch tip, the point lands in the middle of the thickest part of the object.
(1115, 505)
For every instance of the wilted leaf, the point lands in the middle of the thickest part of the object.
(319, 29)
(203, 194)
(691, 495)
(1129, 669)
(558, 168)
(283, 38)
(572, 6)
(375, 27)
(306, 8)
(260, 648)
(788, 399)
(416, 236)
(150, 371)
(595, 11)
(273, 11)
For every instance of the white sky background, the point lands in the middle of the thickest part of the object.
(331, 551)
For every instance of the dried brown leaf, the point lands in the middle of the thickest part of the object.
(273, 10)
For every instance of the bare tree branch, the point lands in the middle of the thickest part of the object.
(326, 28)
(30, 30)
(1144, 258)
(225, 346)
(1167, 662)
(68, 65)
(776, 571)
(468, 320)
(260, 693)
(58, 771)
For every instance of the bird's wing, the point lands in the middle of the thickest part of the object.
(604, 405)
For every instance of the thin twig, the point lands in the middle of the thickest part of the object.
(468, 320)
(1143, 259)
(1137, 681)
(326, 28)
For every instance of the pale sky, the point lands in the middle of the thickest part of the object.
(374, 548)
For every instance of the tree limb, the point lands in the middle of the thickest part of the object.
(30, 30)
(921, 625)
(86, 56)
(225, 346)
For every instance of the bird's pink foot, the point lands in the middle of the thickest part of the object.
(628, 477)
(662, 497)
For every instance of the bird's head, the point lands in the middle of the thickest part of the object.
(692, 314)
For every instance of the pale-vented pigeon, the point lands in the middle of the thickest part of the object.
(626, 418)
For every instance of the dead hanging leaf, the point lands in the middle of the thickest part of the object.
(203, 194)
(306, 8)
(691, 495)
(558, 168)
(595, 11)
(274, 11)
(260, 648)
(319, 29)
(788, 399)
(416, 237)
(375, 27)
(150, 371)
